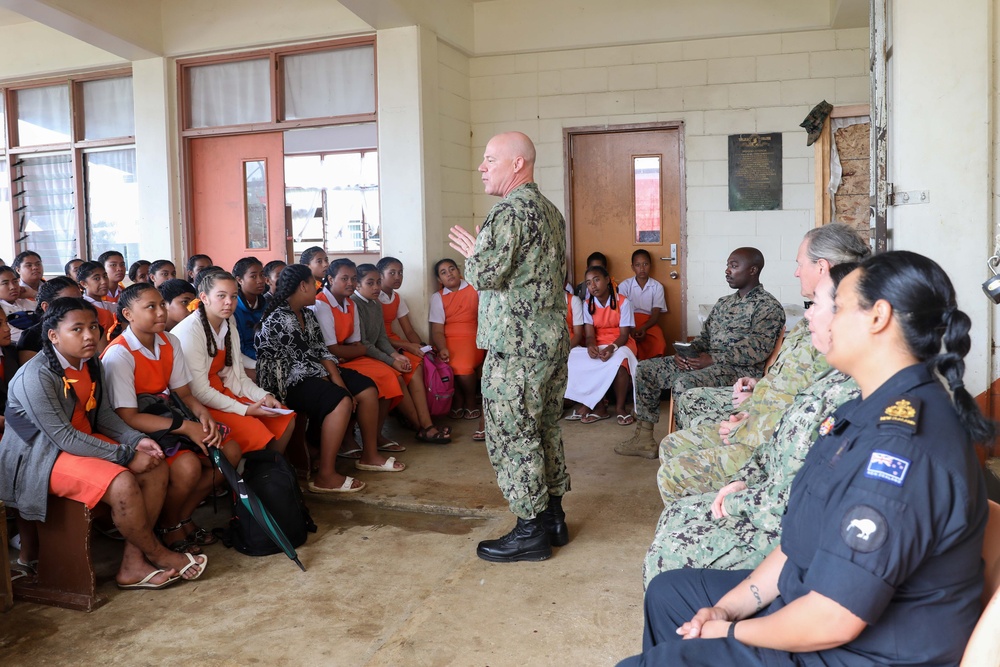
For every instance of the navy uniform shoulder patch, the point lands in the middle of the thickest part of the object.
(903, 411)
(887, 467)
(864, 529)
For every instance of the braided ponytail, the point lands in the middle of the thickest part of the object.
(291, 277)
(56, 312)
(951, 365)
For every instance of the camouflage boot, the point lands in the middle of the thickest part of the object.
(642, 443)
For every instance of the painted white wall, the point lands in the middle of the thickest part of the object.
(764, 83)
(941, 141)
(454, 117)
(35, 50)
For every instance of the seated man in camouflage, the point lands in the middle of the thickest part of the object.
(735, 528)
(736, 340)
(698, 459)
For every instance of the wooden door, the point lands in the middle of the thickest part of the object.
(626, 193)
(238, 197)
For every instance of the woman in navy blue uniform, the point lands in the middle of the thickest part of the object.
(880, 555)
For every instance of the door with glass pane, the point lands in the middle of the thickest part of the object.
(626, 194)
(238, 197)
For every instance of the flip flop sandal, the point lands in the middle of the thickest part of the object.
(352, 454)
(343, 488)
(193, 562)
(456, 413)
(573, 417)
(31, 567)
(625, 420)
(438, 438)
(392, 446)
(181, 546)
(146, 583)
(388, 466)
(479, 436)
(475, 413)
(200, 536)
(593, 418)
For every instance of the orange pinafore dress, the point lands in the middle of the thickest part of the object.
(569, 313)
(84, 479)
(385, 377)
(461, 320)
(389, 315)
(607, 325)
(250, 433)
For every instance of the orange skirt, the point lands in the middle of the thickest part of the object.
(251, 433)
(84, 479)
(415, 361)
(465, 356)
(653, 344)
(385, 377)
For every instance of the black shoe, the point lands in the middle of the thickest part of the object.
(527, 541)
(554, 520)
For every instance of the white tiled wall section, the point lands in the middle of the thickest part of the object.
(455, 131)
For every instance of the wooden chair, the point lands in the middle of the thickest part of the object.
(6, 592)
(672, 426)
(983, 649)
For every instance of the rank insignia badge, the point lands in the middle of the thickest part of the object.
(904, 411)
(827, 425)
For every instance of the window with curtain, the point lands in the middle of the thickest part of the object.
(43, 116)
(44, 208)
(340, 82)
(231, 93)
(108, 108)
(112, 202)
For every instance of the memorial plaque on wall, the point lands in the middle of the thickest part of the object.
(755, 172)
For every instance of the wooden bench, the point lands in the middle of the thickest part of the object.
(65, 575)
(6, 593)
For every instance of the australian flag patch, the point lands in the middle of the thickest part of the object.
(887, 467)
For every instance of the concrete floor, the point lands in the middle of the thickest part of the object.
(392, 578)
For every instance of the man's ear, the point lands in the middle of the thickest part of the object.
(518, 163)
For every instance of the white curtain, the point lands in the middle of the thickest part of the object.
(340, 82)
(43, 115)
(230, 93)
(46, 203)
(108, 108)
(113, 202)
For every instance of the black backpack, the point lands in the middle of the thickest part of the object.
(273, 480)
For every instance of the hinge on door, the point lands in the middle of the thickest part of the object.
(894, 198)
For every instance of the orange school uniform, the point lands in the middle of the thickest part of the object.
(385, 377)
(84, 479)
(390, 313)
(249, 432)
(607, 324)
(461, 320)
(653, 344)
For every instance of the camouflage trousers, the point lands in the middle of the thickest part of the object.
(688, 536)
(654, 375)
(696, 461)
(703, 405)
(522, 403)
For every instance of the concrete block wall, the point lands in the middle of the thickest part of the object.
(454, 115)
(757, 83)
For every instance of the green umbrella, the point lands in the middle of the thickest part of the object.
(253, 505)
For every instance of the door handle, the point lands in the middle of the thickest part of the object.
(673, 255)
(674, 275)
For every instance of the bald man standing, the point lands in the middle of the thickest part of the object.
(518, 264)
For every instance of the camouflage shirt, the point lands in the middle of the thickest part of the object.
(519, 267)
(741, 331)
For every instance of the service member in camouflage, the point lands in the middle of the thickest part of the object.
(518, 264)
(736, 340)
(697, 460)
(734, 528)
(704, 405)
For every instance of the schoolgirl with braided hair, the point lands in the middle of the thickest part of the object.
(73, 445)
(272, 270)
(93, 281)
(607, 324)
(30, 342)
(250, 303)
(316, 259)
(160, 271)
(209, 341)
(294, 364)
(147, 360)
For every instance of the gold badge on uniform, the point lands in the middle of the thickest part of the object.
(902, 411)
(827, 425)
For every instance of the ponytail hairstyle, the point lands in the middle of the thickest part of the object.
(291, 277)
(86, 270)
(365, 269)
(923, 300)
(133, 271)
(600, 270)
(68, 266)
(172, 288)
(49, 290)
(335, 267)
(193, 261)
(207, 281)
(308, 254)
(21, 256)
(240, 269)
(128, 296)
(269, 269)
(440, 262)
(54, 314)
(386, 262)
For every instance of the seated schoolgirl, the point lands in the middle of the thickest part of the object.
(20, 311)
(394, 310)
(114, 264)
(178, 295)
(341, 328)
(93, 280)
(609, 358)
(145, 360)
(454, 317)
(30, 271)
(272, 270)
(161, 271)
(648, 303)
(250, 303)
(294, 364)
(73, 445)
(317, 260)
(30, 342)
(139, 271)
(195, 265)
(373, 336)
(72, 266)
(574, 320)
(208, 340)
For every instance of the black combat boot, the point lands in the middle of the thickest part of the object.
(528, 541)
(554, 520)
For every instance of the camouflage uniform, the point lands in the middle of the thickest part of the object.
(695, 460)
(739, 334)
(688, 536)
(519, 266)
(704, 405)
